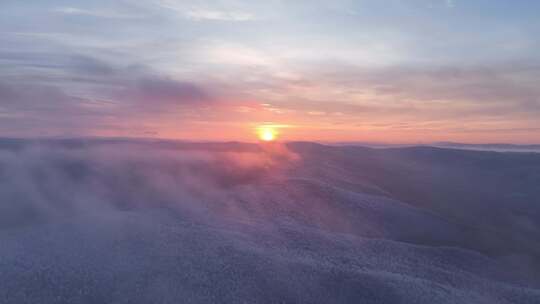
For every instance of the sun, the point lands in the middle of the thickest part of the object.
(266, 133)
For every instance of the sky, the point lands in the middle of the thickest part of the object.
(401, 71)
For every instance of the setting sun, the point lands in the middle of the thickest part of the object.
(267, 133)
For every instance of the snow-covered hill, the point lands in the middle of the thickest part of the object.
(126, 221)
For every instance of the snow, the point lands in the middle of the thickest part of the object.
(138, 222)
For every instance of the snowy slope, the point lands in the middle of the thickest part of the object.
(167, 222)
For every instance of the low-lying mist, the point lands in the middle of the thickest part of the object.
(47, 181)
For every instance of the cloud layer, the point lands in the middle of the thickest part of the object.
(169, 69)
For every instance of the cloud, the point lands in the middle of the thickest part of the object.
(108, 101)
(101, 79)
(90, 65)
(93, 13)
(154, 90)
(143, 69)
(504, 86)
(80, 92)
(54, 65)
(210, 13)
(33, 97)
(35, 109)
(216, 15)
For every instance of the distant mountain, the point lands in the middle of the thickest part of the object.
(495, 146)
(500, 147)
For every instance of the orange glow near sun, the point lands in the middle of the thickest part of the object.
(267, 133)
